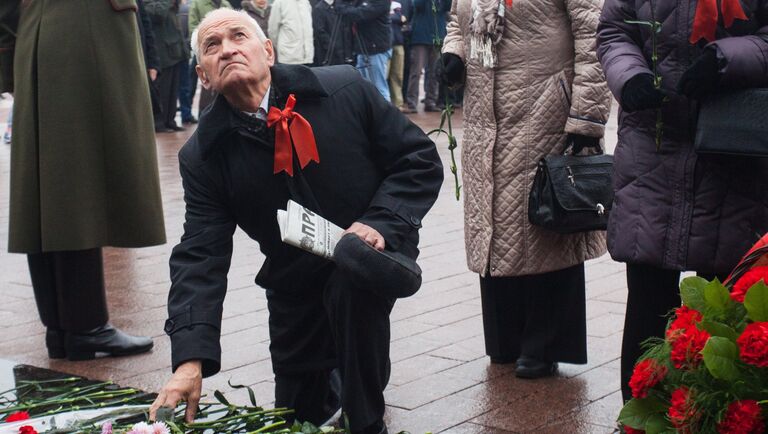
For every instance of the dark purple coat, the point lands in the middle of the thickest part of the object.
(674, 209)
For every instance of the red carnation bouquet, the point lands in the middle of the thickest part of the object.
(708, 374)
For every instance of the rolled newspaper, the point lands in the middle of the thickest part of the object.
(302, 228)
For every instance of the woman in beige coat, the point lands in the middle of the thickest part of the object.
(533, 85)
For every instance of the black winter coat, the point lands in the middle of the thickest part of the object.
(324, 20)
(372, 24)
(376, 167)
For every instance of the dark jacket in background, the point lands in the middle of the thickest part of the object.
(148, 41)
(324, 19)
(260, 15)
(675, 209)
(427, 26)
(394, 168)
(397, 26)
(371, 22)
(171, 46)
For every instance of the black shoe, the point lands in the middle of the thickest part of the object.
(104, 339)
(530, 368)
(162, 130)
(431, 108)
(192, 120)
(54, 341)
(175, 127)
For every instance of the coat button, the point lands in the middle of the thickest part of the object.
(415, 221)
(169, 325)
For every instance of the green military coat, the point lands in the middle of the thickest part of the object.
(83, 158)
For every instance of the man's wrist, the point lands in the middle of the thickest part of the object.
(191, 366)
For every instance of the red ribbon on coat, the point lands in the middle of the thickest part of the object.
(299, 133)
(705, 20)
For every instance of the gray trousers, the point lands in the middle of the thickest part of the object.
(423, 58)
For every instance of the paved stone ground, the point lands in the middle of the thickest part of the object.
(441, 380)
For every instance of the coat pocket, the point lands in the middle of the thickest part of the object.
(123, 5)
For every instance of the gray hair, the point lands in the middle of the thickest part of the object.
(216, 13)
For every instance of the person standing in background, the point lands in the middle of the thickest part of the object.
(290, 29)
(259, 10)
(373, 31)
(83, 165)
(532, 284)
(187, 84)
(333, 36)
(149, 49)
(397, 62)
(427, 33)
(172, 52)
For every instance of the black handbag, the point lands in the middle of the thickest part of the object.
(572, 193)
(734, 123)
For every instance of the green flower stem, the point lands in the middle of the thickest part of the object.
(655, 28)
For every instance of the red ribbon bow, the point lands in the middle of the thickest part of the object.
(299, 132)
(705, 20)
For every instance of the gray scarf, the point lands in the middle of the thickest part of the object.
(487, 27)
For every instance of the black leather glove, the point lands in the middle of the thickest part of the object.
(639, 94)
(453, 70)
(702, 77)
(579, 142)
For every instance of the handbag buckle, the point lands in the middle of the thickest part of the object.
(570, 176)
(600, 209)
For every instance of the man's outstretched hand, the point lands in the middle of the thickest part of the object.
(186, 384)
(368, 234)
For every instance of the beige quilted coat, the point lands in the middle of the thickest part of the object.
(547, 83)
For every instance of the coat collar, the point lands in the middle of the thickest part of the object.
(220, 119)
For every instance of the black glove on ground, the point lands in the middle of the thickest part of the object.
(579, 142)
(639, 94)
(702, 77)
(453, 70)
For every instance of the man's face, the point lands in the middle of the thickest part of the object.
(232, 57)
(261, 3)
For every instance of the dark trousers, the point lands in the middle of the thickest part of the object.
(330, 344)
(187, 87)
(542, 316)
(69, 289)
(423, 58)
(652, 293)
(168, 87)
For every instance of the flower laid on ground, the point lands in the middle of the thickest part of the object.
(708, 374)
(107, 427)
(17, 416)
(115, 410)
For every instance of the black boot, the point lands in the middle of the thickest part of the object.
(530, 368)
(104, 339)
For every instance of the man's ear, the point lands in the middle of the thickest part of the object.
(203, 76)
(270, 52)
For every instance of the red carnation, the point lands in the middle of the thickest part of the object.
(685, 318)
(647, 374)
(746, 281)
(26, 429)
(15, 417)
(753, 344)
(630, 430)
(742, 417)
(687, 346)
(681, 411)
